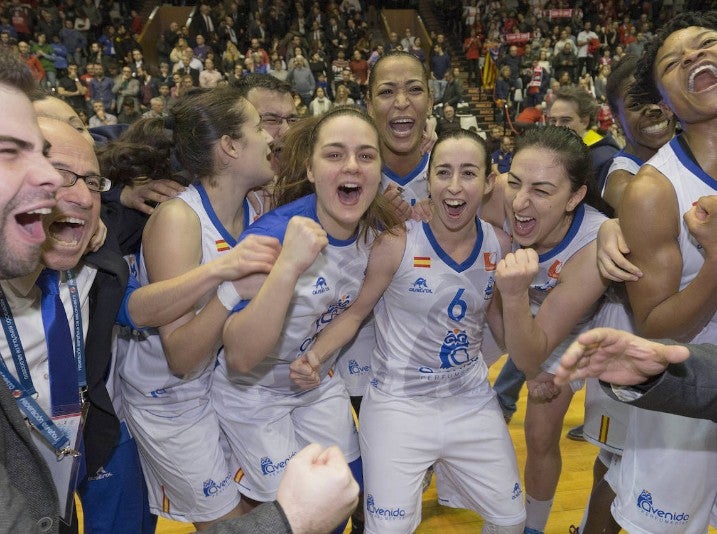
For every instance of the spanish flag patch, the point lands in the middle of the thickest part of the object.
(165, 501)
(222, 245)
(604, 428)
(238, 475)
(422, 261)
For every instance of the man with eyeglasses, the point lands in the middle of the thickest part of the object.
(273, 101)
(91, 287)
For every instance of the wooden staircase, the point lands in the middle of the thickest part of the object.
(481, 105)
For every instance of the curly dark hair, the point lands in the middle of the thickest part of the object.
(143, 150)
(644, 90)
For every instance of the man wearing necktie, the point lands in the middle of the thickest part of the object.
(64, 312)
(27, 186)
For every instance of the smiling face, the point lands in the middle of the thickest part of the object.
(539, 202)
(686, 73)
(457, 182)
(74, 219)
(27, 185)
(345, 168)
(649, 126)
(399, 104)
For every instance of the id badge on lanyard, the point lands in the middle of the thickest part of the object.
(58, 438)
(65, 464)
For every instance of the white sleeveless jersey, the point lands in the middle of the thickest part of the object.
(429, 320)
(583, 231)
(145, 375)
(354, 362)
(414, 184)
(622, 161)
(683, 488)
(323, 291)
(690, 183)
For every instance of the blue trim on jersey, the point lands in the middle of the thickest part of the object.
(572, 232)
(631, 157)
(213, 216)
(458, 267)
(274, 222)
(691, 165)
(405, 180)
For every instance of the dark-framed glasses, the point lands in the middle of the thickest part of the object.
(272, 119)
(94, 182)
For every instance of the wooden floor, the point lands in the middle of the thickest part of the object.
(570, 499)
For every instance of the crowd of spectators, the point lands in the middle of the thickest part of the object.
(88, 52)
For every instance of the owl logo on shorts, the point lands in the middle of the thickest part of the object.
(644, 501)
(454, 350)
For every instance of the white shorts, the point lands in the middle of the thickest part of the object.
(265, 429)
(605, 418)
(550, 365)
(467, 440)
(612, 477)
(354, 361)
(183, 461)
(668, 475)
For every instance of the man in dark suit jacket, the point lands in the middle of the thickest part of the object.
(662, 376)
(203, 23)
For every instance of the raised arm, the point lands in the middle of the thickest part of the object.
(172, 246)
(162, 302)
(530, 339)
(650, 221)
(386, 254)
(251, 333)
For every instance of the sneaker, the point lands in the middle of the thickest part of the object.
(576, 434)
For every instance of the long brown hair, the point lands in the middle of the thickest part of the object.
(298, 147)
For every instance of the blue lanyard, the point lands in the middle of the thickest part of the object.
(79, 334)
(22, 389)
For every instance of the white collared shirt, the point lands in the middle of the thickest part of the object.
(24, 299)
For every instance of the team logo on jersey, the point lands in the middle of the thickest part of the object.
(380, 512)
(212, 489)
(646, 506)
(555, 268)
(517, 491)
(333, 310)
(489, 288)
(222, 246)
(422, 261)
(489, 260)
(356, 369)
(320, 286)
(100, 474)
(268, 467)
(454, 350)
(420, 286)
(158, 393)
